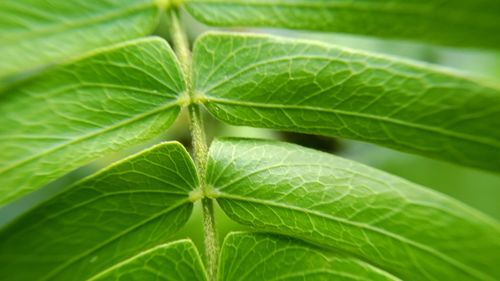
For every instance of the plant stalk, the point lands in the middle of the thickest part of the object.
(182, 50)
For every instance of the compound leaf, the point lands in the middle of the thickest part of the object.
(75, 113)
(36, 33)
(259, 256)
(265, 81)
(175, 261)
(462, 23)
(407, 230)
(103, 220)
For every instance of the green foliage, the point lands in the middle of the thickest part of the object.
(455, 23)
(37, 33)
(347, 206)
(102, 220)
(254, 256)
(75, 113)
(177, 261)
(73, 90)
(260, 81)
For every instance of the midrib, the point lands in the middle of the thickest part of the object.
(440, 131)
(88, 136)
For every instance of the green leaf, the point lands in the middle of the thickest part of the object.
(36, 33)
(253, 257)
(476, 188)
(407, 230)
(175, 261)
(456, 23)
(103, 102)
(102, 220)
(303, 86)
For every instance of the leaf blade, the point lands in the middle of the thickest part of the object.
(260, 256)
(102, 102)
(358, 210)
(265, 81)
(173, 261)
(457, 23)
(123, 209)
(47, 33)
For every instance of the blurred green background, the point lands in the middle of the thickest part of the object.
(478, 189)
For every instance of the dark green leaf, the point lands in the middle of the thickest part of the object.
(405, 229)
(102, 220)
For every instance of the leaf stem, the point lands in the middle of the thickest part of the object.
(182, 50)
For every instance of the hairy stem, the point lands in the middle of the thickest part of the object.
(200, 149)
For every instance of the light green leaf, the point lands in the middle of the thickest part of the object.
(253, 257)
(176, 261)
(102, 220)
(409, 231)
(456, 23)
(103, 102)
(303, 86)
(35, 33)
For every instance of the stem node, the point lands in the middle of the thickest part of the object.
(200, 150)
